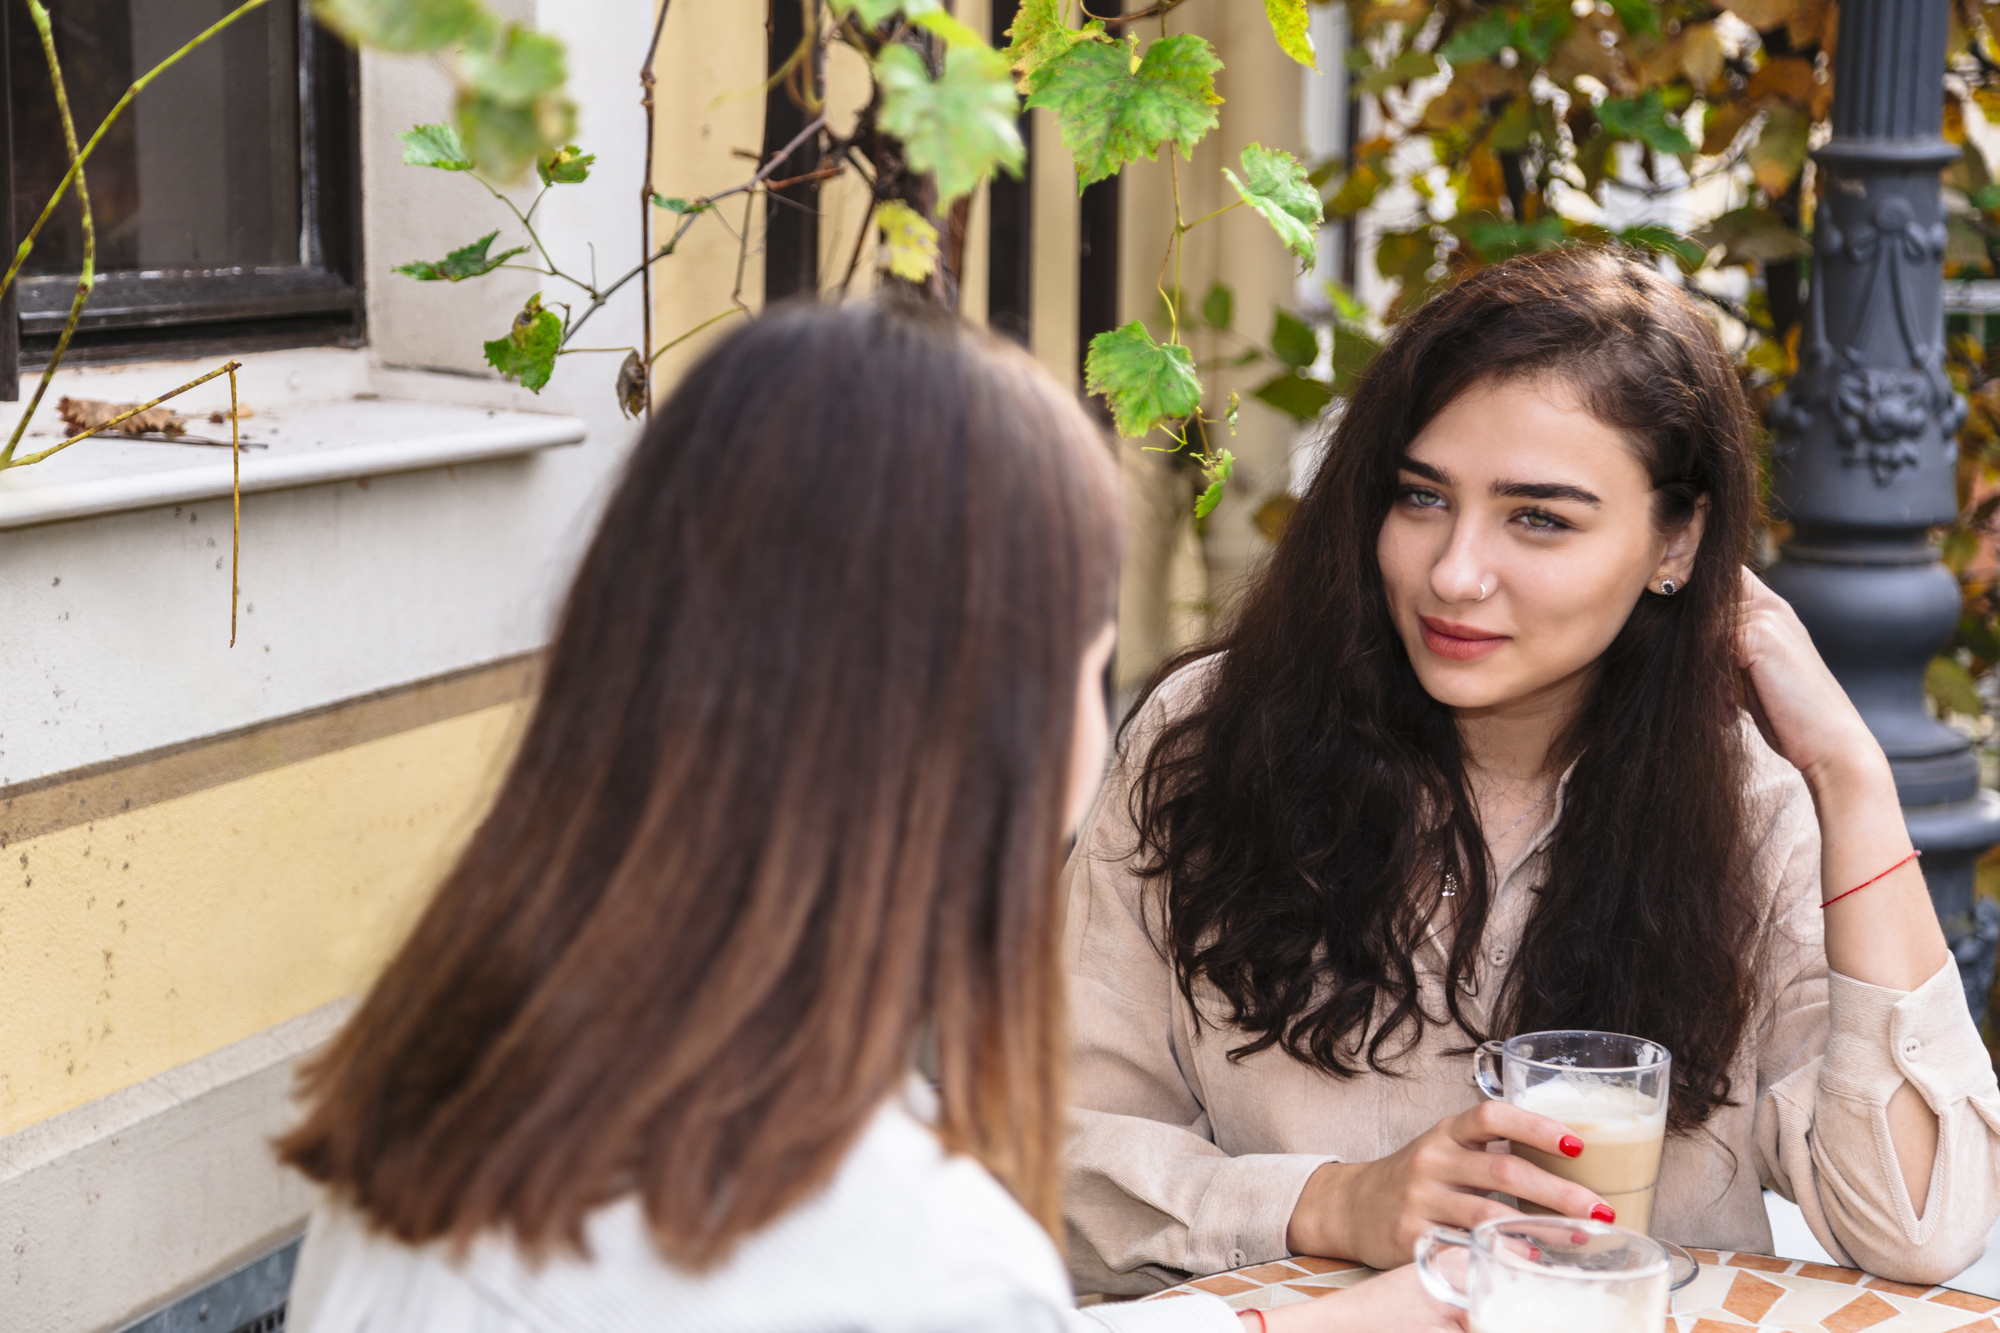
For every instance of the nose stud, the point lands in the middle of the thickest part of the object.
(1482, 591)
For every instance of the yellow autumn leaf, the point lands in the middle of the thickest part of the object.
(910, 243)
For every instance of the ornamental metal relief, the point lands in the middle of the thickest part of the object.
(1879, 414)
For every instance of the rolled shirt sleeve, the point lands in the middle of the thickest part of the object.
(1832, 1053)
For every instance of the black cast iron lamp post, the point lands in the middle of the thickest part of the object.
(1866, 460)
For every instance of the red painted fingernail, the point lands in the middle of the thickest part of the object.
(1601, 1212)
(1571, 1145)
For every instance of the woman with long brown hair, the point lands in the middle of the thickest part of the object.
(1473, 760)
(822, 708)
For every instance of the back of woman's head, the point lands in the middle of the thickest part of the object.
(792, 794)
(1303, 813)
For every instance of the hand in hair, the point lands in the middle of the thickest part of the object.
(1374, 1211)
(1395, 1302)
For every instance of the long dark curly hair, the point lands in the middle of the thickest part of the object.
(1299, 813)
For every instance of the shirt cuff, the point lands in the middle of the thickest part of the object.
(1878, 1038)
(1247, 1208)
(1196, 1312)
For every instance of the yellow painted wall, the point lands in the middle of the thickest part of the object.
(139, 942)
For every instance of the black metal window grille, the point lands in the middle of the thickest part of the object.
(248, 1299)
(225, 198)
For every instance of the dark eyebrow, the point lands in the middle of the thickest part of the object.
(1545, 490)
(1424, 470)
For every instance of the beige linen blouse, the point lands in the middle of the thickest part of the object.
(1183, 1161)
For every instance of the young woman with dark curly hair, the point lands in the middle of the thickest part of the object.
(1477, 757)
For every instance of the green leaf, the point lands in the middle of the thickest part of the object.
(527, 354)
(873, 13)
(1235, 409)
(1666, 241)
(1752, 236)
(682, 206)
(1480, 41)
(435, 146)
(1405, 68)
(1290, 24)
(1111, 112)
(949, 30)
(516, 66)
(1218, 470)
(504, 137)
(1779, 154)
(468, 261)
(1644, 119)
(1299, 397)
(1345, 304)
(1353, 352)
(405, 26)
(1039, 35)
(568, 165)
(959, 127)
(1218, 308)
(1275, 185)
(910, 239)
(1951, 685)
(1293, 340)
(1638, 16)
(1500, 238)
(1144, 382)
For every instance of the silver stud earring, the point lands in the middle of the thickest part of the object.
(1668, 587)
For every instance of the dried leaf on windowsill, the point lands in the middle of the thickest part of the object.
(243, 413)
(81, 414)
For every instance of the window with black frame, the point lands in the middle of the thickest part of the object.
(225, 197)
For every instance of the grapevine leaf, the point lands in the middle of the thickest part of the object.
(504, 137)
(1297, 396)
(1404, 69)
(872, 13)
(1293, 340)
(1274, 515)
(631, 385)
(1218, 469)
(1644, 119)
(682, 206)
(910, 240)
(568, 165)
(435, 146)
(1040, 35)
(516, 66)
(405, 26)
(1780, 151)
(527, 354)
(1667, 241)
(1950, 684)
(1480, 41)
(1111, 112)
(1144, 382)
(949, 30)
(1353, 352)
(1638, 16)
(468, 261)
(958, 127)
(1752, 236)
(1289, 24)
(1275, 185)
(1218, 308)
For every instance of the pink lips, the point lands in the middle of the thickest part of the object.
(1460, 643)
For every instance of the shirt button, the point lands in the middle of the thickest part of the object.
(1237, 1259)
(1910, 1048)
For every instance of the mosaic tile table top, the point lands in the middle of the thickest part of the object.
(1732, 1292)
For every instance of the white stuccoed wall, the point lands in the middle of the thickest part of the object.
(114, 633)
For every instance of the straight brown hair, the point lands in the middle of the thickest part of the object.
(791, 796)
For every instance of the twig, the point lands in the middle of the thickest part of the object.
(1159, 10)
(733, 310)
(646, 83)
(235, 504)
(88, 277)
(227, 368)
(138, 86)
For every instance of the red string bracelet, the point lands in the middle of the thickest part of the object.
(1262, 1327)
(1866, 882)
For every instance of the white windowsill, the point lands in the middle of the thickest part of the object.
(314, 412)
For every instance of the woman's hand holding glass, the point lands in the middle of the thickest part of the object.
(1373, 1212)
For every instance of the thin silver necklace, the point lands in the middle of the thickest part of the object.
(1451, 881)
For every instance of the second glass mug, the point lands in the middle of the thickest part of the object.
(1610, 1089)
(1551, 1275)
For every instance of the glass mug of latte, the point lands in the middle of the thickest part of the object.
(1551, 1275)
(1610, 1090)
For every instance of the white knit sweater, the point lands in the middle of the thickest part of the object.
(906, 1238)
